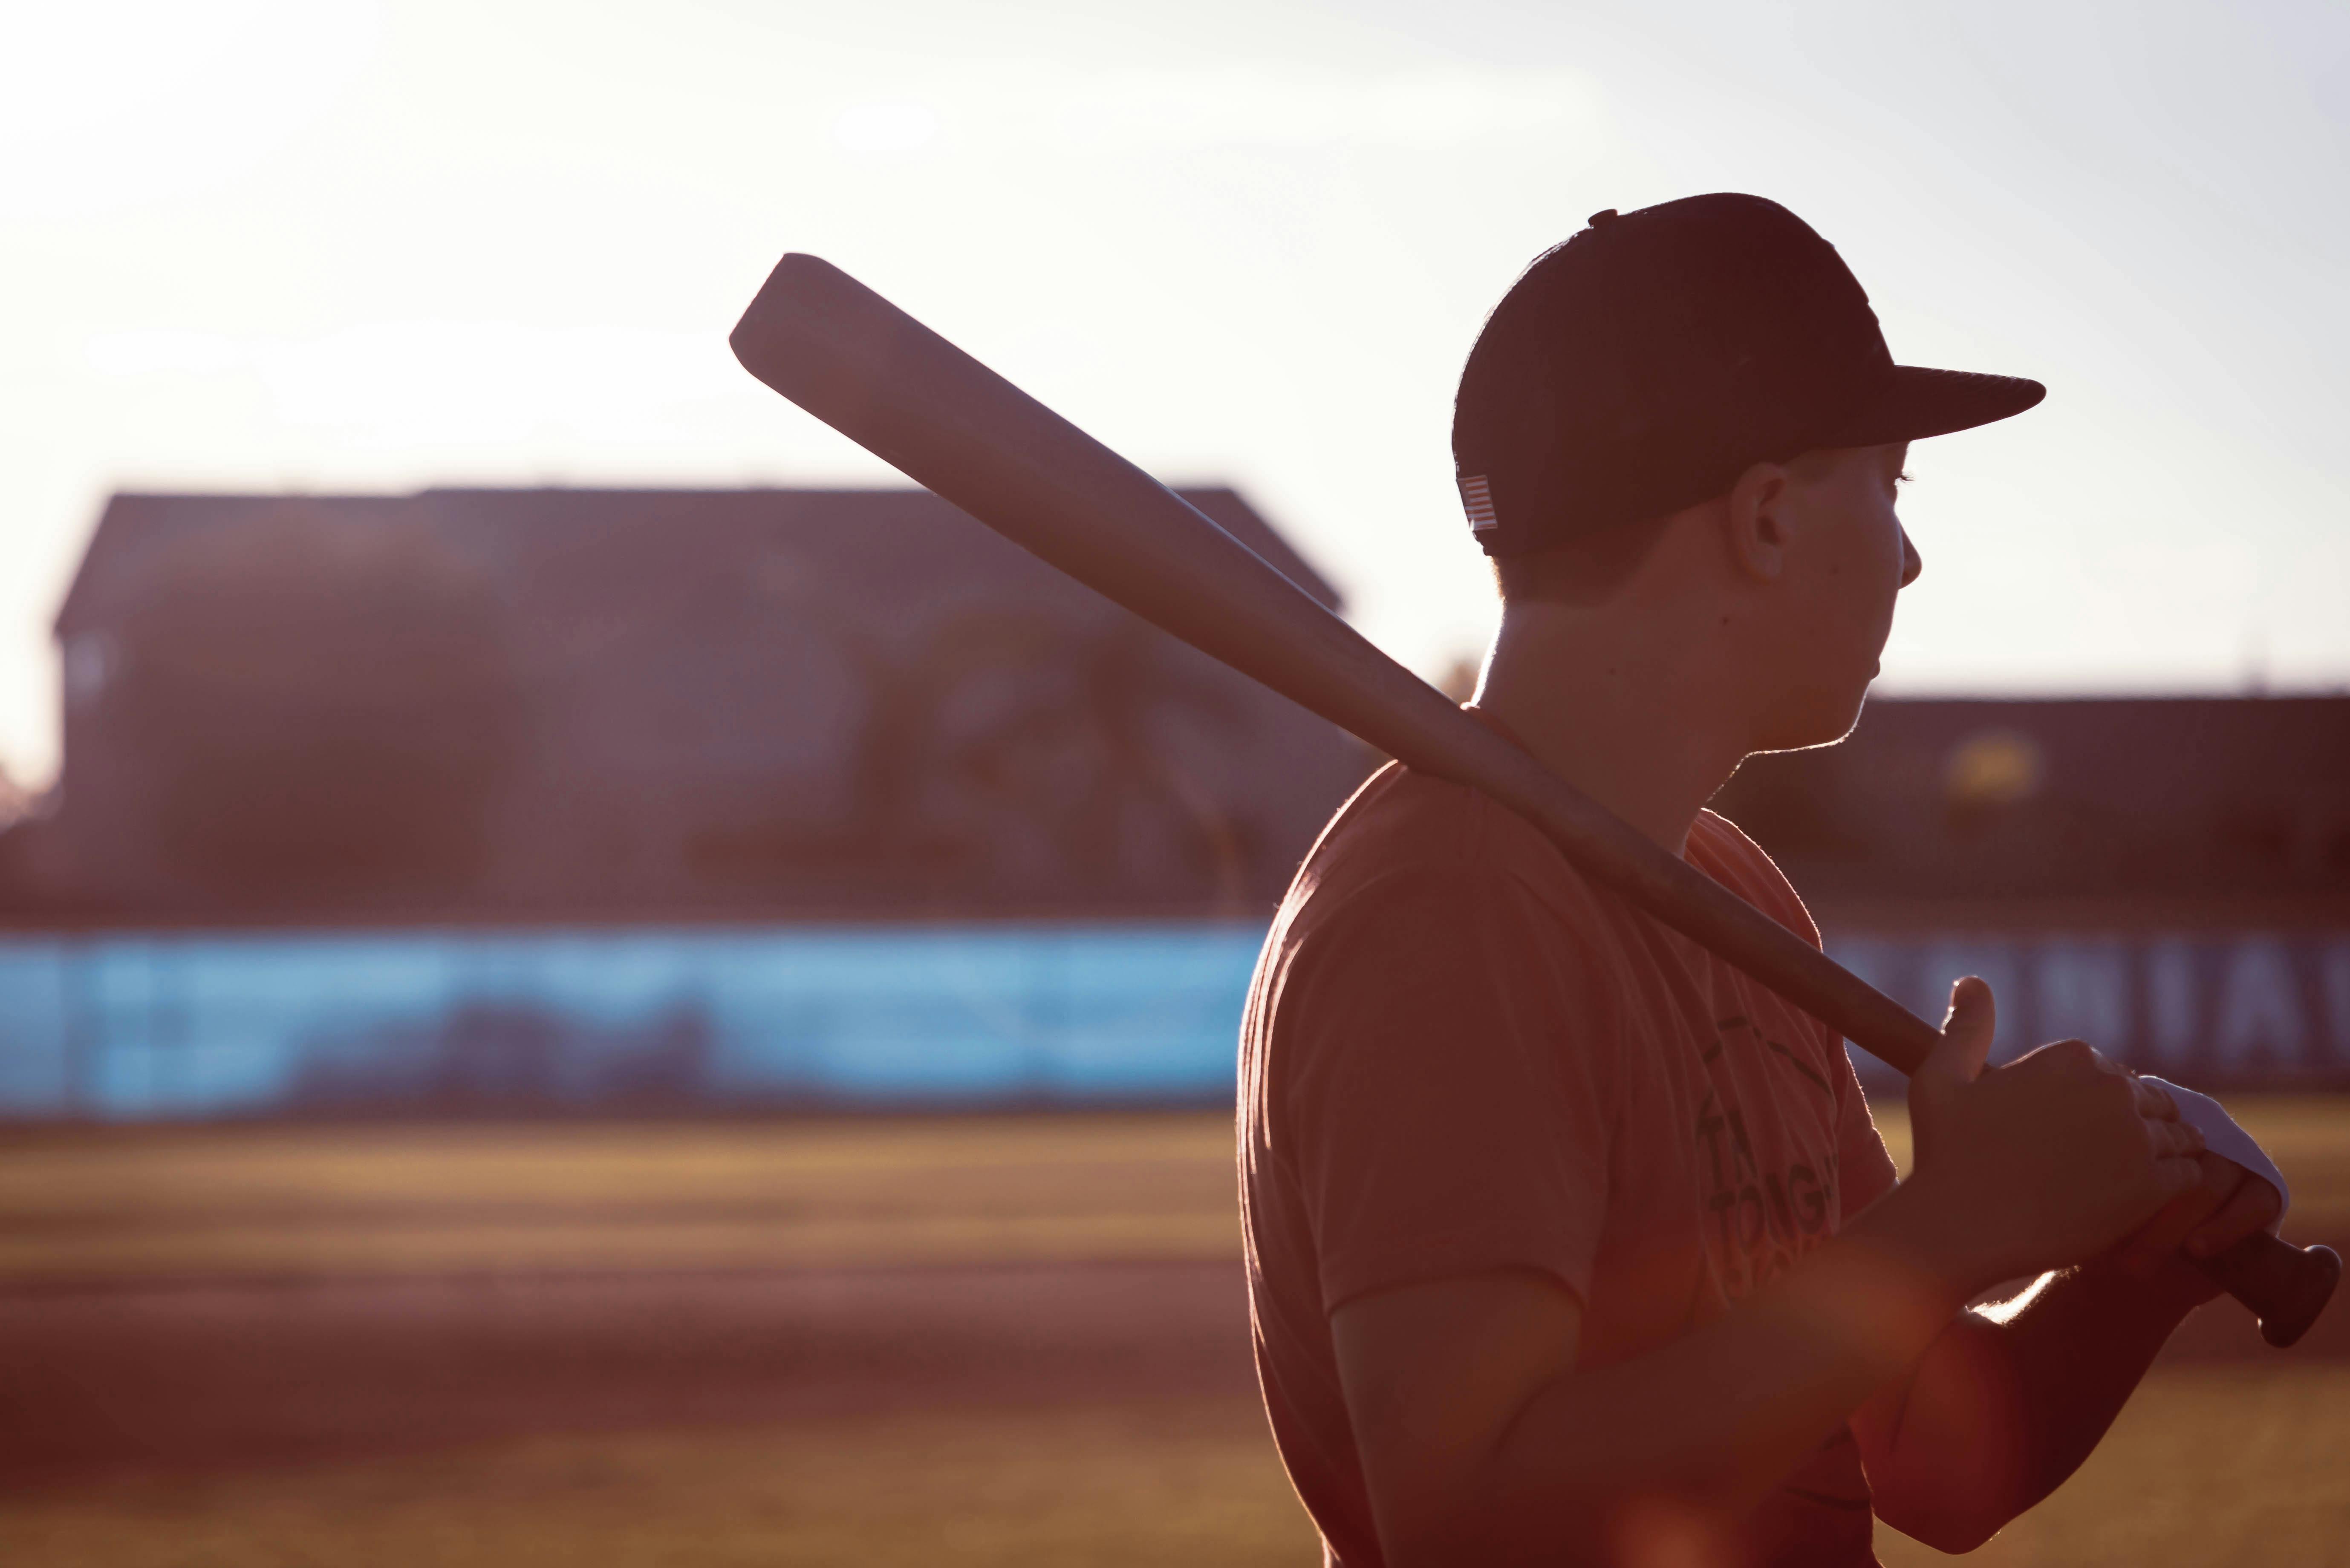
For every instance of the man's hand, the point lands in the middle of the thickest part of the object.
(2000, 1412)
(2088, 1166)
(2047, 1161)
(2228, 1204)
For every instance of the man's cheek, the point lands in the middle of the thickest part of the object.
(1882, 633)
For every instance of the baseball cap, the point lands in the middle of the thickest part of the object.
(1644, 364)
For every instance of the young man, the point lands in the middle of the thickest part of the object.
(1566, 1241)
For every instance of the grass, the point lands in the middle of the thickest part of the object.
(365, 1198)
(384, 1198)
(434, 1199)
(2214, 1466)
(2216, 1463)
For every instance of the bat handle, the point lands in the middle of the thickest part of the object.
(2285, 1286)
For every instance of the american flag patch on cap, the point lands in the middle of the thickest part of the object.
(1477, 495)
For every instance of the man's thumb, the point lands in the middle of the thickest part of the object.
(1966, 1032)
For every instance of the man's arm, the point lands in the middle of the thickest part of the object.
(1481, 1442)
(2010, 1401)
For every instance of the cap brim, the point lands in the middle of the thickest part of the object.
(1917, 402)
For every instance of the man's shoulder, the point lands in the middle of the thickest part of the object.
(1404, 833)
(1720, 847)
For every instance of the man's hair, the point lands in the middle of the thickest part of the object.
(1585, 570)
(1589, 569)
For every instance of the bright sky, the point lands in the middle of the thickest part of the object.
(328, 244)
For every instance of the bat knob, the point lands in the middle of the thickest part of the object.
(2292, 1309)
(2285, 1286)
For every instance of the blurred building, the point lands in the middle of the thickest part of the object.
(480, 801)
(2168, 877)
(632, 705)
(2098, 809)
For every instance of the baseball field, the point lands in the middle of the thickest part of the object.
(935, 1341)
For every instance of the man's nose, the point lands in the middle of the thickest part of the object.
(1911, 563)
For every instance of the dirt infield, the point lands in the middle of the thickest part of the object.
(223, 1375)
(208, 1376)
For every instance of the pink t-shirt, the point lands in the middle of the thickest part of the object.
(1459, 1056)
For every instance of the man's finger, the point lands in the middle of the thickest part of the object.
(2253, 1206)
(1967, 1031)
(2174, 1139)
(2160, 1239)
(2154, 1102)
(2179, 1174)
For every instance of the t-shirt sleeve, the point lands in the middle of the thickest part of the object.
(1444, 1092)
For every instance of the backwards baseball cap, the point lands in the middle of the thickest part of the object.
(1644, 364)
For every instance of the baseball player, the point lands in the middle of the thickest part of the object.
(1567, 1242)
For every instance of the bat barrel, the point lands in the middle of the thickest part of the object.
(890, 384)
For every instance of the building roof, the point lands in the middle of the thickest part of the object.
(641, 703)
(864, 537)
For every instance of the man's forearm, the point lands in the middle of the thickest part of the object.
(1713, 1422)
(2010, 1401)
(2079, 1345)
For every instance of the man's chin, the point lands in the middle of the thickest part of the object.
(1822, 726)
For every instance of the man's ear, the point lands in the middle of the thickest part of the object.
(1755, 522)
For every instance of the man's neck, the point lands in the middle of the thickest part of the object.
(1636, 718)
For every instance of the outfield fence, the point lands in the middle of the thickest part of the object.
(2211, 1008)
(137, 1025)
(123, 1026)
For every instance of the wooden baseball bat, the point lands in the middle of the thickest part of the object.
(878, 376)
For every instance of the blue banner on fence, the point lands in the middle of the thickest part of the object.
(132, 1026)
(2214, 1008)
(138, 1025)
